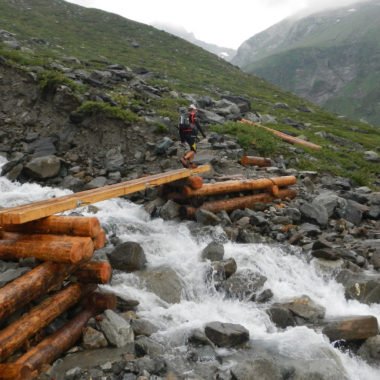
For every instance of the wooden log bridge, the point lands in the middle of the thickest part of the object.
(38, 210)
(66, 245)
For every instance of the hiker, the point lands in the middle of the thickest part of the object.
(188, 128)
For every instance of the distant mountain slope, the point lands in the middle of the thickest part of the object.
(331, 58)
(222, 52)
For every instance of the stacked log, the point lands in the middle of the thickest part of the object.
(269, 186)
(255, 161)
(66, 245)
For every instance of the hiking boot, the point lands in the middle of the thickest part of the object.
(184, 162)
(192, 165)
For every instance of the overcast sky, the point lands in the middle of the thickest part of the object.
(227, 23)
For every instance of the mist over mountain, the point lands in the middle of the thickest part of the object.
(331, 58)
(180, 31)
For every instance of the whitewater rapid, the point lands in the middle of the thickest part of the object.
(171, 244)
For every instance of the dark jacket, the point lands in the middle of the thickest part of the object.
(193, 128)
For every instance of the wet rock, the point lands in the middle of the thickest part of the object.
(93, 339)
(126, 304)
(116, 329)
(351, 328)
(44, 146)
(128, 256)
(281, 316)
(206, 218)
(370, 350)
(226, 334)
(170, 210)
(243, 284)
(143, 327)
(72, 183)
(164, 282)
(224, 268)
(305, 308)
(362, 287)
(147, 346)
(43, 167)
(256, 369)
(213, 251)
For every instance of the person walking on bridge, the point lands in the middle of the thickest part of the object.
(188, 128)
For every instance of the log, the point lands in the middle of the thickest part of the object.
(195, 182)
(14, 335)
(239, 185)
(14, 371)
(240, 202)
(284, 136)
(96, 272)
(61, 225)
(257, 161)
(63, 339)
(31, 285)
(38, 210)
(57, 248)
(99, 240)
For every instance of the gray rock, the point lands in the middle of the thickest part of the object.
(213, 252)
(281, 316)
(114, 160)
(44, 146)
(147, 346)
(370, 350)
(362, 287)
(143, 327)
(93, 339)
(72, 183)
(164, 282)
(224, 268)
(206, 218)
(95, 183)
(15, 172)
(256, 369)
(329, 200)
(43, 167)
(226, 334)
(116, 329)
(128, 256)
(304, 307)
(11, 274)
(351, 211)
(244, 284)
(170, 210)
(163, 145)
(314, 213)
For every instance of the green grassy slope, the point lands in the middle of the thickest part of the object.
(97, 37)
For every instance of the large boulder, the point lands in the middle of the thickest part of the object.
(116, 329)
(244, 284)
(128, 256)
(226, 334)
(43, 167)
(360, 286)
(256, 369)
(314, 213)
(214, 251)
(164, 282)
(351, 328)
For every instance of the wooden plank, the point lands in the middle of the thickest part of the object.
(41, 209)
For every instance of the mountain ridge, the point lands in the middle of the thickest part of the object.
(342, 45)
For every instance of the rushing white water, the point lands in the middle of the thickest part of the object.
(172, 245)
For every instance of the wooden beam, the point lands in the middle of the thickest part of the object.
(284, 136)
(42, 209)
